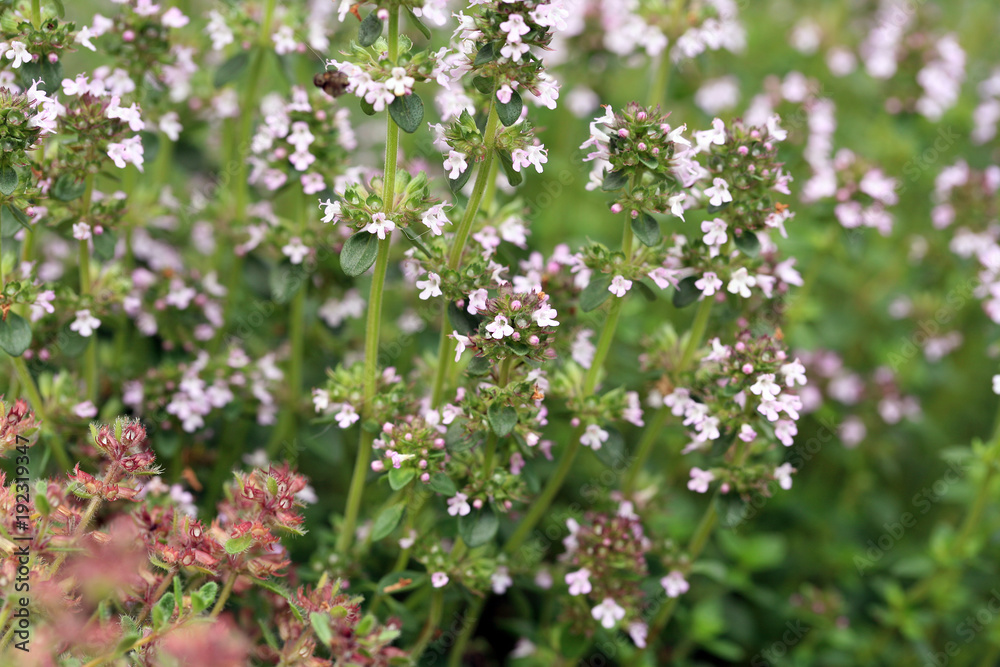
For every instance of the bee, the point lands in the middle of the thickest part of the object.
(333, 82)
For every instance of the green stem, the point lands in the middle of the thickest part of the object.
(36, 13)
(541, 505)
(227, 589)
(469, 622)
(90, 356)
(484, 176)
(661, 78)
(88, 516)
(35, 398)
(433, 619)
(374, 321)
(649, 437)
(697, 333)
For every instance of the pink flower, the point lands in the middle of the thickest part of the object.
(700, 479)
(579, 582)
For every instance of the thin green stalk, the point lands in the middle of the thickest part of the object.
(649, 437)
(469, 623)
(374, 321)
(35, 399)
(90, 355)
(227, 589)
(88, 516)
(36, 13)
(661, 78)
(696, 334)
(541, 506)
(433, 618)
(484, 176)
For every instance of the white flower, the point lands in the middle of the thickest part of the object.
(532, 155)
(619, 286)
(674, 584)
(794, 373)
(741, 282)
(431, 287)
(128, 151)
(284, 40)
(331, 210)
(715, 233)
(461, 343)
(218, 31)
(458, 505)
(700, 479)
(594, 437)
(996, 384)
(83, 37)
(776, 132)
(380, 225)
(347, 415)
(608, 613)
(455, 164)
(785, 430)
(579, 582)
(295, 250)
(170, 125)
(515, 27)
(439, 579)
(676, 204)
(765, 387)
(409, 540)
(499, 327)
(321, 399)
(400, 84)
(477, 301)
(18, 53)
(85, 410)
(638, 631)
(709, 283)
(545, 316)
(719, 192)
(783, 474)
(501, 580)
(435, 219)
(85, 324)
(81, 231)
(174, 18)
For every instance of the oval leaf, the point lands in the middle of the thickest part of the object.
(231, 69)
(11, 220)
(8, 180)
(369, 30)
(387, 522)
(594, 294)
(400, 477)
(510, 112)
(67, 188)
(407, 111)
(359, 253)
(15, 335)
(502, 418)
(614, 180)
(646, 229)
(443, 484)
(485, 55)
(748, 243)
(237, 545)
(514, 177)
(478, 528)
(686, 292)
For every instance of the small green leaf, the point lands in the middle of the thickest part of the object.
(67, 188)
(369, 30)
(485, 55)
(748, 243)
(443, 484)
(163, 610)
(231, 69)
(483, 84)
(400, 477)
(11, 220)
(514, 177)
(15, 334)
(686, 292)
(387, 521)
(237, 545)
(510, 112)
(462, 320)
(612, 452)
(8, 180)
(478, 366)
(359, 253)
(104, 245)
(456, 184)
(60, 8)
(614, 180)
(596, 293)
(424, 30)
(366, 107)
(407, 111)
(502, 418)
(479, 527)
(321, 625)
(646, 229)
